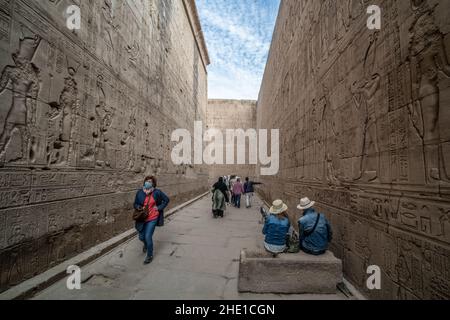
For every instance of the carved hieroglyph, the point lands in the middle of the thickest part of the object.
(85, 115)
(365, 134)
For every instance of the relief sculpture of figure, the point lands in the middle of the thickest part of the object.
(61, 120)
(103, 120)
(108, 27)
(24, 80)
(329, 139)
(324, 32)
(70, 103)
(54, 129)
(364, 100)
(320, 134)
(366, 104)
(343, 18)
(315, 140)
(129, 138)
(428, 61)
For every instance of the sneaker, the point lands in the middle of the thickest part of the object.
(148, 260)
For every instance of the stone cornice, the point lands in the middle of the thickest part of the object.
(194, 20)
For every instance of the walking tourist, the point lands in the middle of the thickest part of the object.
(232, 181)
(314, 229)
(220, 198)
(238, 190)
(249, 190)
(149, 206)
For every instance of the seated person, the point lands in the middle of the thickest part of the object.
(314, 229)
(276, 228)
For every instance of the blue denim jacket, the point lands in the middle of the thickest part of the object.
(276, 230)
(162, 201)
(322, 236)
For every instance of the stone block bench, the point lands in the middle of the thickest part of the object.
(300, 273)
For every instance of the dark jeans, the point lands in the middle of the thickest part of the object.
(237, 200)
(146, 236)
(319, 253)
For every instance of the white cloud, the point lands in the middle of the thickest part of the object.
(238, 35)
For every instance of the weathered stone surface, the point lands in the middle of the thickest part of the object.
(260, 272)
(364, 126)
(231, 114)
(85, 115)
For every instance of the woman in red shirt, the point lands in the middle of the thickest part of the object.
(155, 201)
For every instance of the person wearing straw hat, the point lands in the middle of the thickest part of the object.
(276, 228)
(314, 229)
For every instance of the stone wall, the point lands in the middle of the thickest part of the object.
(85, 115)
(364, 125)
(231, 114)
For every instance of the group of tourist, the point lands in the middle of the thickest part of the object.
(314, 235)
(229, 190)
(150, 203)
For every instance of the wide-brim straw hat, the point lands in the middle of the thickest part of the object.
(278, 207)
(305, 204)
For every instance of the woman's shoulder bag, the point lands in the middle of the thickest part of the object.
(141, 214)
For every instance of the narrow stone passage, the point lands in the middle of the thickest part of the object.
(196, 257)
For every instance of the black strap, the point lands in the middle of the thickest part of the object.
(308, 233)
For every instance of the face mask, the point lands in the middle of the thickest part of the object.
(148, 186)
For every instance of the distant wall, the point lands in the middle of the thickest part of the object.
(85, 115)
(364, 132)
(231, 114)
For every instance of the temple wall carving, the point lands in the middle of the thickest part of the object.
(85, 115)
(364, 125)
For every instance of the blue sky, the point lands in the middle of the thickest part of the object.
(238, 35)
